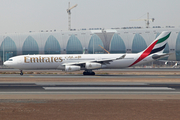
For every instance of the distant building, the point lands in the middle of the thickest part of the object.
(73, 42)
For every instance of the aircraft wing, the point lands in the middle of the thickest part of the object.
(104, 61)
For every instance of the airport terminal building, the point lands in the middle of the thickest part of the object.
(123, 40)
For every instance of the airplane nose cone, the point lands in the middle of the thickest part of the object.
(5, 63)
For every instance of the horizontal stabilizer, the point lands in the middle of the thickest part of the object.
(156, 56)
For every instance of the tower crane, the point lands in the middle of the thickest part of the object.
(69, 15)
(146, 20)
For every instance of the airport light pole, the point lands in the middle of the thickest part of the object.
(3, 49)
(93, 44)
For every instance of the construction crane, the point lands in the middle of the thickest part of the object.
(69, 15)
(104, 49)
(146, 20)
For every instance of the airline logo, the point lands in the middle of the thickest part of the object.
(90, 65)
(157, 46)
(42, 59)
(69, 68)
(51, 59)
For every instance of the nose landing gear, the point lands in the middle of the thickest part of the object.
(21, 73)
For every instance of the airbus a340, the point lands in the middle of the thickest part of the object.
(89, 62)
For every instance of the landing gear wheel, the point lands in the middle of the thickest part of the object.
(88, 73)
(21, 73)
(84, 73)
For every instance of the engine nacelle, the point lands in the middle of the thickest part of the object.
(70, 68)
(166, 63)
(92, 65)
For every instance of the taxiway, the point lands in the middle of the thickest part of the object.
(89, 88)
(146, 83)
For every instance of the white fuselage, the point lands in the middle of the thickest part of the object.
(89, 62)
(56, 61)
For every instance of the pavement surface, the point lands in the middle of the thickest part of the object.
(132, 94)
(108, 70)
(112, 85)
(89, 88)
(84, 77)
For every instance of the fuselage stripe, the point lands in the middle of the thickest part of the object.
(163, 39)
(145, 53)
(158, 49)
(150, 50)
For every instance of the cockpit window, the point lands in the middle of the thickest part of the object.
(10, 60)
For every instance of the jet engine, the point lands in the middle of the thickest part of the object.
(70, 68)
(92, 65)
(166, 63)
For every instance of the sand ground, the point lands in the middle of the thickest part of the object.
(123, 109)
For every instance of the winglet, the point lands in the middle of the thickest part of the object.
(122, 57)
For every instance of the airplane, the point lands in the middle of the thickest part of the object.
(90, 62)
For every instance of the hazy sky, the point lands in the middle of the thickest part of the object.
(36, 15)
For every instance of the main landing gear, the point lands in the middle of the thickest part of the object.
(21, 73)
(88, 72)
